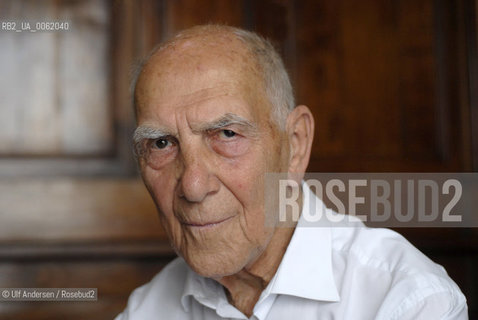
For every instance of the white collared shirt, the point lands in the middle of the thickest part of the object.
(326, 273)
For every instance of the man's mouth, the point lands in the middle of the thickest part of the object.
(205, 224)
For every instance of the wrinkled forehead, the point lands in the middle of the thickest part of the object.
(189, 66)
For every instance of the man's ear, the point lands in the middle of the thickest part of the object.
(300, 131)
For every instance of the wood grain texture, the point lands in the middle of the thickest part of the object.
(370, 74)
(76, 209)
(114, 279)
(182, 14)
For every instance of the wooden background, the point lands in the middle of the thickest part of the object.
(393, 85)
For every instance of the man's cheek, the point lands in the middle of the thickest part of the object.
(164, 204)
(160, 183)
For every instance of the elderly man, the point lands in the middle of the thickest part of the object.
(215, 112)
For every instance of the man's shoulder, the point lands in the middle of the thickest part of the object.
(382, 249)
(407, 277)
(165, 289)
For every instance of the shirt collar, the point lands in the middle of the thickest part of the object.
(209, 293)
(205, 290)
(305, 270)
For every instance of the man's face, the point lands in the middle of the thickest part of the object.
(214, 138)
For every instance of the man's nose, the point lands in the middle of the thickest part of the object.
(197, 179)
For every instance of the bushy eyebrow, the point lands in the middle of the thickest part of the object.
(142, 133)
(146, 132)
(227, 120)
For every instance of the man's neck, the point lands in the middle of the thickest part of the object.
(244, 288)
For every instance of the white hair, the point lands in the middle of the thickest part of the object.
(275, 77)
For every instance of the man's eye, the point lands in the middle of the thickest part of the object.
(161, 143)
(227, 133)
